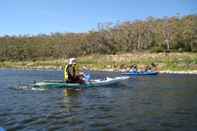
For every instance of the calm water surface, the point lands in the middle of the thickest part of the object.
(161, 103)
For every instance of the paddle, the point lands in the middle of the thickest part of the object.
(87, 76)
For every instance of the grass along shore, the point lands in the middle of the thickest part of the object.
(171, 63)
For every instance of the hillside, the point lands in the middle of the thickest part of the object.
(173, 34)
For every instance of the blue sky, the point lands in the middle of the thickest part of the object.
(46, 16)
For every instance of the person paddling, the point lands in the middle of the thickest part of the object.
(133, 68)
(71, 74)
(150, 68)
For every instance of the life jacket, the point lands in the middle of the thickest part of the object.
(65, 73)
(76, 69)
(70, 72)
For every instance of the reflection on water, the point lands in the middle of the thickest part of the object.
(72, 92)
(68, 100)
(165, 102)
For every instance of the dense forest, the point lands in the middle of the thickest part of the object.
(174, 34)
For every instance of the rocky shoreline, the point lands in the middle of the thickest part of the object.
(175, 63)
(49, 68)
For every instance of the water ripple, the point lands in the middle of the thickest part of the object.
(166, 102)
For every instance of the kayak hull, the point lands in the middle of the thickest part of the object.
(91, 83)
(141, 73)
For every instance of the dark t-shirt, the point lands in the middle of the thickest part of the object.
(71, 72)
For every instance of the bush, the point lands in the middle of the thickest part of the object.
(157, 49)
(194, 50)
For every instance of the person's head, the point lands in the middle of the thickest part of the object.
(71, 61)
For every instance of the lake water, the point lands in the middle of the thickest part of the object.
(160, 103)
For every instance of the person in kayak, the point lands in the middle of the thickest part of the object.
(150, 68)
(71, 74)
(133, 68)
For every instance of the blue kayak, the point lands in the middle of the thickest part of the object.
(140, 73)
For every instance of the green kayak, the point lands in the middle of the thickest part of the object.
(91, 83)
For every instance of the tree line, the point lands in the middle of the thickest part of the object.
(174, 34)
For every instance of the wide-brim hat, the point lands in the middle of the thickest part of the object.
(72, 61)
